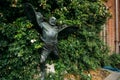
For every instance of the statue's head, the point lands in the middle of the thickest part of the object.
(52, 21)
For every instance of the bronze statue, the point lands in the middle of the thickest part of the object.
(49, 34)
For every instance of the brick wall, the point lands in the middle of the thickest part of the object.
(110, 26)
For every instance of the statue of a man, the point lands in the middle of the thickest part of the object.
(49, 34)
(49, 37)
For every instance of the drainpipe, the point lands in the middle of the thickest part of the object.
(117, 33)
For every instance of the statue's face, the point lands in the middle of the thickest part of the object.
(52, 21)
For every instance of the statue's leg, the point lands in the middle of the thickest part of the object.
(43, 58)
(56, 53)
(43, 72)
(44, 55)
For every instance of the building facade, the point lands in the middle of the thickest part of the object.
(111, 32)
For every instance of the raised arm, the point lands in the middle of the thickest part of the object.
(62, 27)
(32, 15)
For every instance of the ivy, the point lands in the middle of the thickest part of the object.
(80, 49)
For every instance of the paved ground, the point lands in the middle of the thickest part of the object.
(113, 76)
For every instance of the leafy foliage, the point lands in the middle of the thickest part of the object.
(115, 60)
(20, 44)
(18, 50)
